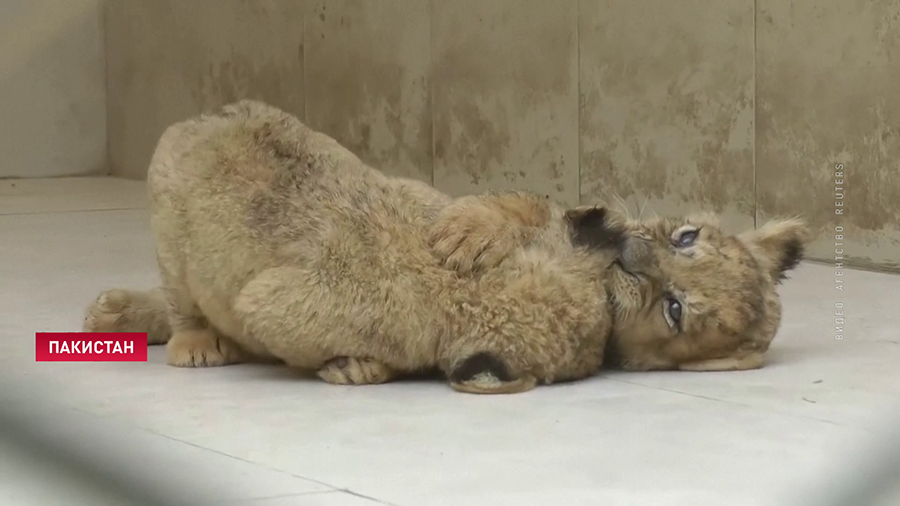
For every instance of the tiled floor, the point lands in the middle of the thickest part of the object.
(260, 435)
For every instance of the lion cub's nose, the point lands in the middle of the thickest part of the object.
(636, 256)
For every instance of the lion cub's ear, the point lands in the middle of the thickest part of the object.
(778, 245)
(591, 227)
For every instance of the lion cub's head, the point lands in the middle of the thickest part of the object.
(688, 296)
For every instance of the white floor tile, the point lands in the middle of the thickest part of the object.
(137, 458)
(323, 499)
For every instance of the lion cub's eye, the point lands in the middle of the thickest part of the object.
(686, 238)
(672, 310)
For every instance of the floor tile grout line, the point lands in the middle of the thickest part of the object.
(199, 447)
(726, 401)
(240, 459)
(243, 500)
(379, 501)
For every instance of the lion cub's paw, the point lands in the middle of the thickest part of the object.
(472, 243)
(484, 373)
(104, 313)
(199, 348)
(355, 371)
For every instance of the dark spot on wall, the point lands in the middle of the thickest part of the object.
(370, 91)
(480, 142)
(495, 74)
(656, 121)
(818, 108)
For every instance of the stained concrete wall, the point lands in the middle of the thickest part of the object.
(828, 122)
(52, 88)
(741, 107)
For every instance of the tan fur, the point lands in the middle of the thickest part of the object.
(354, 371)
(274, 242)
(131, 309)
(725, 284)
(483, 230)
(736, 363)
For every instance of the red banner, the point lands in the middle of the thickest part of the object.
(90, 347)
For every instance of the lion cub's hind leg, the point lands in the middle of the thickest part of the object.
(119, 310)
(201, 347)
(484, 373)
(194, 342)
(355, 371)
(300, 320)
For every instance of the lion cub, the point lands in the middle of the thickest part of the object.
(275, 242)
(684, 294)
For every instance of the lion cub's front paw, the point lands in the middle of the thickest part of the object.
(473, 241)
(474, 251)
(199, 348)
(480, 232)
(355, 371)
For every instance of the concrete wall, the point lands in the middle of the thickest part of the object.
(742, 107)
(52, 88)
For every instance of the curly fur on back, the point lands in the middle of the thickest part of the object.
(275, 242)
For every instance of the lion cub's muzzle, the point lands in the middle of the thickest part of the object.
(636, 257)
